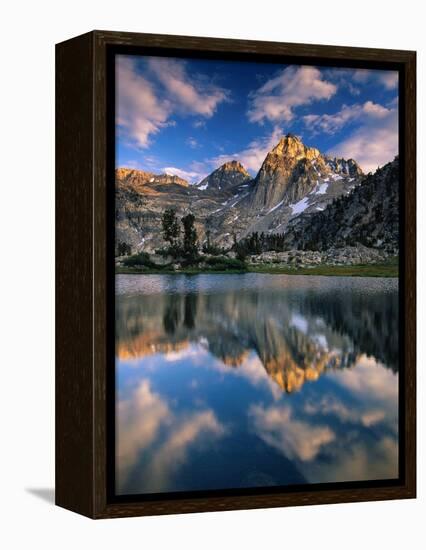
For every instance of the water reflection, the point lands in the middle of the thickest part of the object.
(253, 380)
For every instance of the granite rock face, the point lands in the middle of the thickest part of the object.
(369, 216)
(292, 170)
(283, 167)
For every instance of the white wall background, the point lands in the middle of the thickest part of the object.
(29, 30)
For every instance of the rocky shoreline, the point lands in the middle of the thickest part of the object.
(352, 260)
(349, 255)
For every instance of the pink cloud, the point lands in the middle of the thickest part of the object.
(139, 112)
(192, 96)
(143, 107)
(388, 79)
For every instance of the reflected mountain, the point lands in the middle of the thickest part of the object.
(369, 320)
(297, 334)
(253, 380)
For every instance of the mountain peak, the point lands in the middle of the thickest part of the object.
(292, 146)
(291, 170)
(227, 176)
(233, 166)
(291, 137)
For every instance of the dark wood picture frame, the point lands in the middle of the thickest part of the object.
(83, 278)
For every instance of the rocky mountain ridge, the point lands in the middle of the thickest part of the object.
(139, 178)
(368, 216)
(294, 182)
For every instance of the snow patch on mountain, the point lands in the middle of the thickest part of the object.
(322, 189)
(300, 206)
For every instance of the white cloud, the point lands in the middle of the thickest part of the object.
(373, 140)
(192, 142)
(253, 155)
(292, 87)
(373, 144)
(348, 113)
(361, 75)
(375, 110)
(188, 175)
(190, 95)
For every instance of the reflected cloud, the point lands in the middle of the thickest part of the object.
(370, 379)
(186, 353)
(359, 437)
(329, 405)
(295, 438)
(140, 420)
(173, 452)
(355, 459)
(372, 418)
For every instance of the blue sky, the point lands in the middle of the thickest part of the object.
(187, 117)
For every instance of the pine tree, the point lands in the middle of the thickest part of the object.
(123, 249)
(171, 230)
(190, 241)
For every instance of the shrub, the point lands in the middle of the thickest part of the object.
(190, 262)
(141, 259)
(212, 249)
(222, 263)
(163, 252)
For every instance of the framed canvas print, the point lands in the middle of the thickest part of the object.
(235, 274)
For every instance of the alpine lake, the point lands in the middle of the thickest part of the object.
(229, 381)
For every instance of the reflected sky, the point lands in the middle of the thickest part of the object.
(232, 381)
